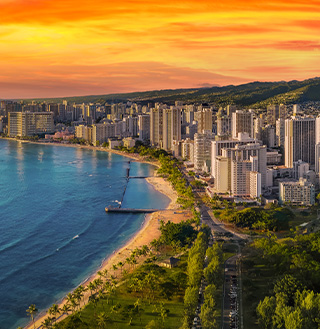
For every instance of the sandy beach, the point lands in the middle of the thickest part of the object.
(148, 232)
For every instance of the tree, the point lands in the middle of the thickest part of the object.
(47, 323)
(32, 311)
(54, 310)
(102, 320)
(265, 310)
(65, 309)
(120, 264)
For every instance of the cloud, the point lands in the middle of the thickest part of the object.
(121, 77)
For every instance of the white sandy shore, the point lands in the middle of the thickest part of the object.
(148, 232)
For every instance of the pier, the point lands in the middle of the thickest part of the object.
(129, 210)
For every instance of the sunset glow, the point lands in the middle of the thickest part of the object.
(67, 47)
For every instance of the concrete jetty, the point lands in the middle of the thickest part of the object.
(129, 210)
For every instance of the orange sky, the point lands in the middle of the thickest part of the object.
(66, 47)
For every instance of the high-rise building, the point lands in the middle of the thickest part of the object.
(223, 125)
(202, 151)
(84, 132)
(257, 128)
(165, 126)
(273, 114)
(30, 123)
(100, 132)
(242, 122)
(156, 127)
(218, 145)
(299, 140)
(171, 127)
(280, 132)
(204, 119)
(268, 136)
(240, 179)
(130, 126)
(187, 149)
(144, 127)
(223, 178)
(256, 154)
(300, 168)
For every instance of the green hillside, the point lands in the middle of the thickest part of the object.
(255, 94)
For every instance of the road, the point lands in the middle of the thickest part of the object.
(232, 302)
(231, 295)
(208, 218)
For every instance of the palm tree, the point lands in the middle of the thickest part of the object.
(80, 292)
(102, 320)
(65, 309)
(47, 323)
(137, 305)
(128, 261)
(32, 311)
(54, 310)
(101, 274)
(120, 264)
(93, 299)
(105, 273)
(91, 287)
(74, 304)
(145, 249)
(114, 266)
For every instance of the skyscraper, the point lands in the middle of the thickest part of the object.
(299, 140)
(171, 127)
(242, 121)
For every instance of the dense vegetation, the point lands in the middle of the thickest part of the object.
(274, 219)
(282, 281)
(255, 94)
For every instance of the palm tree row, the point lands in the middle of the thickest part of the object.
(100, 288)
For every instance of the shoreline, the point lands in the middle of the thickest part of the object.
(148, 231)
(133, 156)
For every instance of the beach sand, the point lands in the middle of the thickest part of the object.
(148, 232)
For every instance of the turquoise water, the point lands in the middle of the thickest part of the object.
(54, 230)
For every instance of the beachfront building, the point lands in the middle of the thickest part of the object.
(101, 132)
(84, 132)
(144, 127)
(299, 192)
(30, 123)
(156, 126)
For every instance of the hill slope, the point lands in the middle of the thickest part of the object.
(255, 94)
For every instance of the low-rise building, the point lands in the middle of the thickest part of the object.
(299, 192)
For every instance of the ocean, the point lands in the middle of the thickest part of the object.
(54, 230)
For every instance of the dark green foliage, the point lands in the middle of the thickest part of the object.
(182, 233)
(295, 299)
(255, 218)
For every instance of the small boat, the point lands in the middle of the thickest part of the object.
(75, 237)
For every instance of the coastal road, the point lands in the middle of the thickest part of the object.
(217, 226)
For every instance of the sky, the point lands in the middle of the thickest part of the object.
(59, 48)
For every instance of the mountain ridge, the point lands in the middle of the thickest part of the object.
(253, 94)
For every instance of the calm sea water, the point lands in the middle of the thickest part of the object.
(54, 230)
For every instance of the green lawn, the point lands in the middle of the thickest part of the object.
(122, 310)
